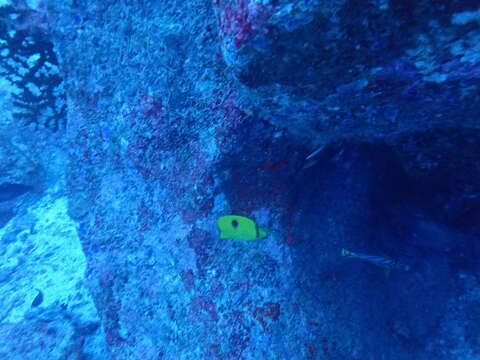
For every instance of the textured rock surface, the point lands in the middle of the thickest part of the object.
(20, 177)
(45, 309)
(182, 111)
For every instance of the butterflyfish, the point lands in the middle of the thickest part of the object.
(239, 227)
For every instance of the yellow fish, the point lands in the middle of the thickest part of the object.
(239, 227)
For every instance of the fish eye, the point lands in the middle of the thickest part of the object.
(234, 223)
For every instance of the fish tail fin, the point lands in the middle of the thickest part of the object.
(261, 233)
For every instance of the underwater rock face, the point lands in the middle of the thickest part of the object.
(46, 310)
(11, 191)
(181, 112)
(393, 68)
(19, 177)
(398, 72)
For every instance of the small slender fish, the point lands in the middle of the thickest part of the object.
(313, 154)
(310, 160)
(381, 261)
